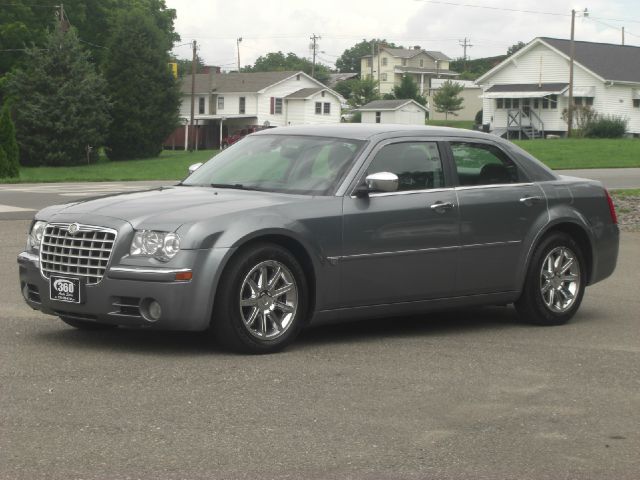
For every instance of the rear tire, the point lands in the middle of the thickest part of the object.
(86, 325)
(555, 282)
(261, 303)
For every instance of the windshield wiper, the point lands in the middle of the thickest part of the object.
(236, 186)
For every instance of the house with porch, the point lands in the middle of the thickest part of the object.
(389, 65)
(525, 95)
(226, 102)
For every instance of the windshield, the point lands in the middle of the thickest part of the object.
(280, 163)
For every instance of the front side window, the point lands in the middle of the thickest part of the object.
(201, 105)
(369, 62)
(242, 105)
(636, 103)
(280, 163)
(378, 117)
(383, 77)
(318, 108)
(499, 103)
(220, 103)
(327, 108)
(278, 106)
(417, 164)
(483, 164)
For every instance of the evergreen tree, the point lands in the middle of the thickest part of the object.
(4, 164)
(144, 93)
(447, 99)
(8, 144)
(59, 103)
(408, 89)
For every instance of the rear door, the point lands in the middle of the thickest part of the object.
(498, 205)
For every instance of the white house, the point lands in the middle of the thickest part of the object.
(225, 102)
(406, 112)
(526, 94)
(389, 65)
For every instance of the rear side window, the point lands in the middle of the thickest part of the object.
(482, 164)
(417, 164)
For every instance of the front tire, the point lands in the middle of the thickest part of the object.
(555, 282)
(261, 303)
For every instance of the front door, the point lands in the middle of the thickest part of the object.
(401, 246)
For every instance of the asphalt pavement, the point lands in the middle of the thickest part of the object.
(470, 394)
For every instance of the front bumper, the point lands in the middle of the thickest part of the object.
(124, 293)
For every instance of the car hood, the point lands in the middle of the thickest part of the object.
(168, 208)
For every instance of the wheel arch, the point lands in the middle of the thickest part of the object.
(296, 247)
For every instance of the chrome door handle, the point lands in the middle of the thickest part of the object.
(530, 200)
(441, 207)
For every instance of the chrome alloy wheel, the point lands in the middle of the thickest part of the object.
(268, 300)
(560, 279)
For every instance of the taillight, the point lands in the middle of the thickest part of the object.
(612, 208)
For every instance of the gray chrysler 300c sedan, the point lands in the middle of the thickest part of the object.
(301, 225)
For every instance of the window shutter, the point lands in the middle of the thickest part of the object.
(273, 105)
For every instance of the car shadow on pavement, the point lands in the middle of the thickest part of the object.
(144, 341)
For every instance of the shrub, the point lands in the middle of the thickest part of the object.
(606, 126)
(357, 117)
(478, 118)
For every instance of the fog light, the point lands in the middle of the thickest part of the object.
(150, 309)
(154, 310)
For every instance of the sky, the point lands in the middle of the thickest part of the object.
(287, 25)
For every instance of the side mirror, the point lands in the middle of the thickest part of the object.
(379, 182)
(194, 167)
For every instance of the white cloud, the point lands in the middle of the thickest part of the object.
(286, 25)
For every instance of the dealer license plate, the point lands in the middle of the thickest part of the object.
(64, 289)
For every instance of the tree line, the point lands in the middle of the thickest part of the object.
(92, 76)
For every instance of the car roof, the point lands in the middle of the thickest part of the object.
(365, 131)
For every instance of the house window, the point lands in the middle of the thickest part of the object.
(383, 77)
(242, 105)
(578, 101)
(220, 103)
(515, 103)
(378, 116)
(636, 103)
(507, 103)
(318, 108)
(499, 103)
(422, 62)
(298, 77)
(322, 94)
(404, 62)
(278, 106)
(545, 102)
(384, 61)
(553, 102)
(201, 105)
(536, 103)
(369, 62)
(327, 108)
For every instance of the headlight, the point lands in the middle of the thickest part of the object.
(150, 243)
(35, 236)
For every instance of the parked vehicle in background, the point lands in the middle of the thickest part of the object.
(303, 225)
(237, 135)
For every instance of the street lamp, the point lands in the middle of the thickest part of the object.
(572, 54)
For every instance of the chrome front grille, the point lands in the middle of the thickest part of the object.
(76, 250)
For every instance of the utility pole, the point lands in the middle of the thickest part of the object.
(193, 93)
(623, 36)
(465, 44)
(373, 53)
(238, 40)
(572, 54)
(314, 46)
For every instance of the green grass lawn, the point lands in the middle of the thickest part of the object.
(467, 124)
(170, 165)
(570, 153)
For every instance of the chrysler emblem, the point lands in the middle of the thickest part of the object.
(73, 228)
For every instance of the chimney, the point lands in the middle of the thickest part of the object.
(417, 47)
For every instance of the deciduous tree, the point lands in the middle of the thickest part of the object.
(408, 89)
(144, 93)
(8, 144)
(447, 99)
(350, 60)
